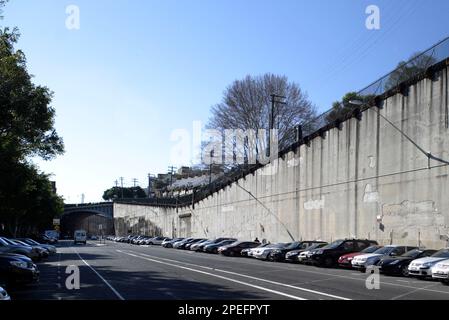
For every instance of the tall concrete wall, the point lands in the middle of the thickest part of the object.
(365, 180)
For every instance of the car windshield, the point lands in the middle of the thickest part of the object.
(371, 249)
(444, 253)
(315, 246)
(21, 243)
(2, 242)
(279, 245)
(32, 241)
(412, 254)
(334, 244)
(384, 250)
(9, 241)
(293, 245)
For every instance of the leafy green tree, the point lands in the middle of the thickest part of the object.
(128, 193)
(405, 70)
(344, 108)
(27, 201)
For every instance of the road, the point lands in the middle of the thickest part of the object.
(117, 271)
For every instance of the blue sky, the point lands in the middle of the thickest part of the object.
(137, 70)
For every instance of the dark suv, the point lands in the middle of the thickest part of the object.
(328, 255)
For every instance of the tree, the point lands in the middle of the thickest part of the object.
(26, 117)
(128, 193)
(417, 63)
(27, 201)
(247, 105)
(342, 109)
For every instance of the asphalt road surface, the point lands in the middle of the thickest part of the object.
(116, 271)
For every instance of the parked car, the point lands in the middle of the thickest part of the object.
(51, 249)
(262, 253)
(328, 255)
(187, 245)
(235, 248)
(364, 261)
(441, 271)
(278, 254)
(245, 252)
(421, 268)
(182, 243)
(399, 265)
(4, 295)
(43, 253)
(157, 241)
(293, 256)
(193, 246)
(6, 246)
(17, 269)
(213, 247)
(200, 247)
(169, 243)
(345, 261)
(46, 239)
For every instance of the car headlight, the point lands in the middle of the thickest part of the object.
(428, 264)
(276, 251)
(395, 262)
(318, 252)
(19, 264)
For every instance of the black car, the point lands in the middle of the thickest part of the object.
(278, 254)
(328, 255)
(235, 248)
(399, 265)
(200, 247)
(292, 256)
(17, 269)
(213, 247)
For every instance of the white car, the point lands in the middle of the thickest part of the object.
(423, 267)
(262, 253)
(302, 257)
(441, 271)
(155, 241)
(362, 262)
(4, 295)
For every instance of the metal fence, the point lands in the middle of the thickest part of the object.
(409, 70)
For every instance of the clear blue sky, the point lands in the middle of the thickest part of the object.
(137, 70)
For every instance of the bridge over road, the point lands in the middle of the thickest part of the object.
(95, 218)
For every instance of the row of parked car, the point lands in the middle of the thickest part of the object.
(18, 259)
(357, 254)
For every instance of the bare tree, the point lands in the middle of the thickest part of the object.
(247, 105)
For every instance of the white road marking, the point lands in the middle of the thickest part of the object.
(254, 278)
(216, 276)
(103, 279)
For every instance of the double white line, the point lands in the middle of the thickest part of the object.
(195, 268)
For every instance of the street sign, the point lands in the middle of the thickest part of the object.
(56, 222)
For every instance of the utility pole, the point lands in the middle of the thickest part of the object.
(210, 166)
(121, 185)
(171, 170)
(135, 182)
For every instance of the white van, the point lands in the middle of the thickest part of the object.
(80, 236)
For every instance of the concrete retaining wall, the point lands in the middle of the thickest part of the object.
(365, 180)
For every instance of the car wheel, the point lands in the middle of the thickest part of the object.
(150, 243)
(328, 262)
(270, 258)
(404, 271)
